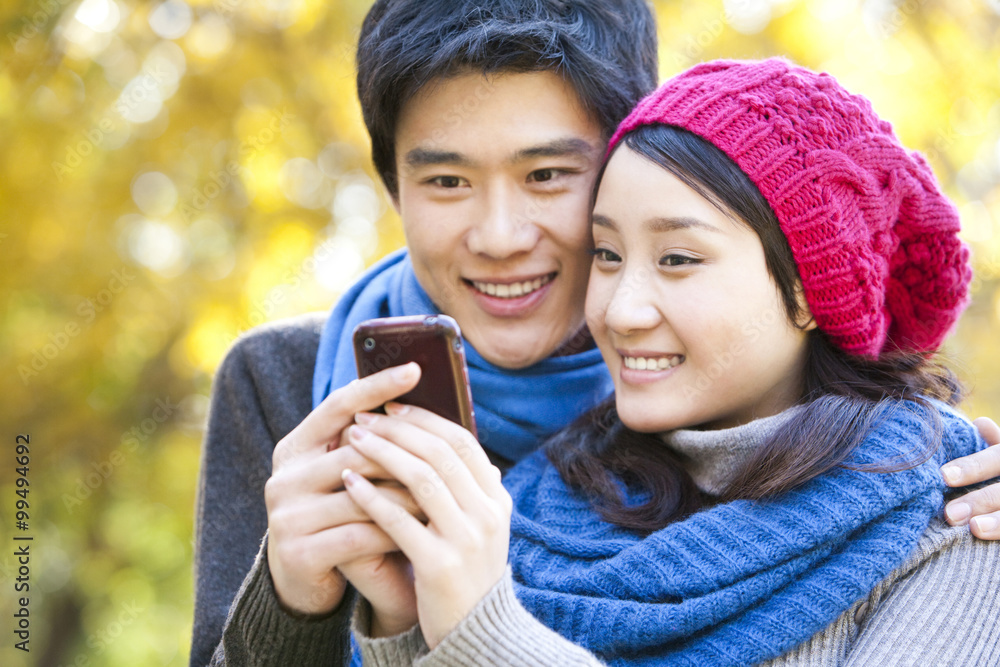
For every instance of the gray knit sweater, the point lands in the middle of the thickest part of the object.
(942, 607)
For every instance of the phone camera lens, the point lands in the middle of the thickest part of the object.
(369, 344)
(457, 344)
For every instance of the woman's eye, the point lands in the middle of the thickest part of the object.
(678, 260)
(447, 181)
(605, 255)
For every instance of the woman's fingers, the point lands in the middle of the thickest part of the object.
(324, 424)
(405, 531)
(461, 441)
(324, 473)
(436, 449)
(320, 512)
(419, 476)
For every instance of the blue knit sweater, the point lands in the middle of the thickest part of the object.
(737, 583)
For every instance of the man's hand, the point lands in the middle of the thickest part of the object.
(981, 508)
(312, 529)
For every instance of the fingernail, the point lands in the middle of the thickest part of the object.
(957, 512)
(403, 373)
(364, 418)
(951, 474)
(350, 477)
(396, 408)
(985, 524)
(357, 434)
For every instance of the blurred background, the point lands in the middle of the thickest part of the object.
(175, 173)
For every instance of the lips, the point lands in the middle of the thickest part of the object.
(514, 297)
(652, 363)
(511, 289)
(642, 367)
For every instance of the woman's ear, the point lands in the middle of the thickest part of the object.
(805, 320)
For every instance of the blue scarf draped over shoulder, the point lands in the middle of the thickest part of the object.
(515, 409)
(737, 583)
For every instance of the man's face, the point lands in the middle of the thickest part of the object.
(495, 179)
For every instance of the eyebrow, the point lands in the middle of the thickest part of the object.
(426, 157)
(659, 224)
(556, 148)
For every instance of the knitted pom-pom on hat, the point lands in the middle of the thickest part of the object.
(874, 239)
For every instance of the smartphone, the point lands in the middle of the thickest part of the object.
(435, 343)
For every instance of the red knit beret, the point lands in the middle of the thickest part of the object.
(874, 239)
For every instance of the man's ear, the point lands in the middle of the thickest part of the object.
(393, 198)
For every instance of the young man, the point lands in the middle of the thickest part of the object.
(489, 122)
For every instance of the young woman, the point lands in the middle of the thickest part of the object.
(772, 275)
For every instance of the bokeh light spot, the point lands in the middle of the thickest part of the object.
(170, 19)
(154, 193)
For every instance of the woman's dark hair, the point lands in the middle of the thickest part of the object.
(605, 49)
(844, 396)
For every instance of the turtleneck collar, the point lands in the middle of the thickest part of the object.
(715, 457)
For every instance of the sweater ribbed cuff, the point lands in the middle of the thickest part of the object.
(261, 632)
(401, 649)
(500, 631)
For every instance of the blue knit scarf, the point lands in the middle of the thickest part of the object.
(515, 409)
(740, 582)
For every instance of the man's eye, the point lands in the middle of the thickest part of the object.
(447, 181)
(542, 175)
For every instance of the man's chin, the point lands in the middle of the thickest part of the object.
(513, 356)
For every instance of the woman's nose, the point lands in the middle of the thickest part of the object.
(632, 307)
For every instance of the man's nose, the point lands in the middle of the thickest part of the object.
(506, 225)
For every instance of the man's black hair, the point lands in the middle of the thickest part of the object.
(605, 49)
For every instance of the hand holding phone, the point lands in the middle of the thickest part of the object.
(434, 342)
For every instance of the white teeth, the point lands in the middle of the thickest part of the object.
(652, 363)
(511, 290)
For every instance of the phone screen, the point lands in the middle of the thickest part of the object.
(434, 342)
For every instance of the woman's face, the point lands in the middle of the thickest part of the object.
(683, 308)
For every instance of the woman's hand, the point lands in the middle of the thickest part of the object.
(981, 508)
(311, 529)
(462, 552)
